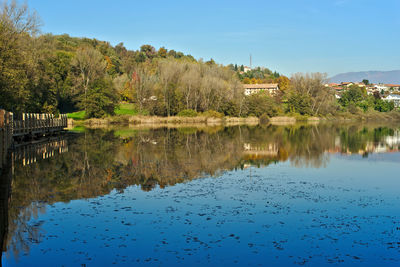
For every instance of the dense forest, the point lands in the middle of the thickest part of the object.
(61, 74)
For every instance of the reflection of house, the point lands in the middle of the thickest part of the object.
(271, 88)
(394, 98)
(268, 150)
(387, 145)
(393, 140)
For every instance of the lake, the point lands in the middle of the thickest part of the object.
(205, 196)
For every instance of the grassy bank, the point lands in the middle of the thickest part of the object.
(173, 120)
(126, 114)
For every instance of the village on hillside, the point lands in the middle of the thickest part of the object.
(388, 92)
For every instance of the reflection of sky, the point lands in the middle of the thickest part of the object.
(346, 213)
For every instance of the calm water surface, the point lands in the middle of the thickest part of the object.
(271, 196)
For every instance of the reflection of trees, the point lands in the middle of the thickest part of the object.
(355, 138)
(5, 184)
(99, 161)
(166, 157)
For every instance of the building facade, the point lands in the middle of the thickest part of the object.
(271, 88)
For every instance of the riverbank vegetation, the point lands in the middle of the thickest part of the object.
(88, 78)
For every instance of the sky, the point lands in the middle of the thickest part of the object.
(289, 36)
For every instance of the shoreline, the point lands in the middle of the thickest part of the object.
(174, 121)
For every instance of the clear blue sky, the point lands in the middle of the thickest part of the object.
(289, 36)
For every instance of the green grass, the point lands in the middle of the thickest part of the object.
(126, 109)
(79, 115)
(123, 109)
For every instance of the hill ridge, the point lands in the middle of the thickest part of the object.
(374, 76)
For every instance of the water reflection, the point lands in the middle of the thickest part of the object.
(95, 162)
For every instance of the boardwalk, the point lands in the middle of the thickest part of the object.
(27, 125)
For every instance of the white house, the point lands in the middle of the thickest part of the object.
(246, 69)
(394, 98)
(271, 88)
(381, 87)
(394, 87)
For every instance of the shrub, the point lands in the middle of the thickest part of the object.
(352, 108)
(264, 119)
(300, 103)
(187, 113)
(230, 108)
(261, 103)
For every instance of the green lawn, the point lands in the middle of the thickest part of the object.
(123, 109)
(79, 115)
(126, 109)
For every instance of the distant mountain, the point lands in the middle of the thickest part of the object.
(392, 76)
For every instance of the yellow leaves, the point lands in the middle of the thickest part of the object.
(284, 83)
(252, 81)
(109, 62)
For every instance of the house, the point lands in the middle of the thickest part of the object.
(332, 85)
(381, 87)
(394, 87)
(271, 88)
(360, 84)
(394, 98)
(346, 84)
(246, 69)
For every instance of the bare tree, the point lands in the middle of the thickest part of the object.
(312, 84)
(189, 81)
(91, 64)
(169, 71)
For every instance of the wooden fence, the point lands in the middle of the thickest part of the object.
(26, 124)
(33, 124)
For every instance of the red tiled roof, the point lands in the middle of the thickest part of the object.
(261, 86)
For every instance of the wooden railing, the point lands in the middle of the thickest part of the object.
(31, 123)
(26, 125)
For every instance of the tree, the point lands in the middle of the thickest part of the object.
(353, 95)
(383, 106)
(284, 83)
(90, 65)
(312, 93)
(365, 81)
(261, 103)
(162, 52)
(300, 103)
(168, 72)
(17, 25)
(101, 99)
(210, 62)
(189, 82)
(148, 50)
